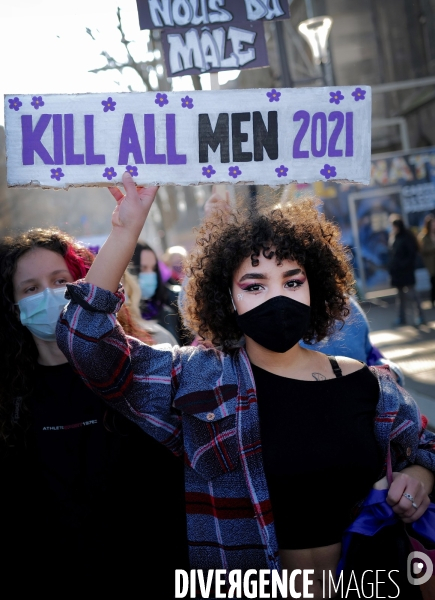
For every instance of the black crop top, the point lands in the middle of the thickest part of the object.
(319, 452)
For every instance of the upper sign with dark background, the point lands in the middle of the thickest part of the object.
(158, 14)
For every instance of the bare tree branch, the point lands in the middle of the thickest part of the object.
(89, 32)
(143, 69)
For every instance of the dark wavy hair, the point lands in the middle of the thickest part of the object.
(17, 347)
(297, 231)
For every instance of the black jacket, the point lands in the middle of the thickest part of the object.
(402, 259)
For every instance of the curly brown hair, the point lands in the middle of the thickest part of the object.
(17, 347)
(296, 231)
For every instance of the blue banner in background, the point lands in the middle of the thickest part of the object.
(401, 182)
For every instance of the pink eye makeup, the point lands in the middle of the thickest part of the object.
(249, 287)
(293, 285)
(296, 283)
(253, 282)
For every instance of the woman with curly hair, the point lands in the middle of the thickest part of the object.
(279, 442)
(68, 461)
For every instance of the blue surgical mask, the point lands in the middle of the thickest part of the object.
(148, 284)
(40, 312)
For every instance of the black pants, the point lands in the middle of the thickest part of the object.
(405, 293)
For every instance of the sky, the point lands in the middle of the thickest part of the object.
(44, 47)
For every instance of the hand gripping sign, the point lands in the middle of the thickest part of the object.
(258, 136)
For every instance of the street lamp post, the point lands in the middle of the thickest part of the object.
(316, 32)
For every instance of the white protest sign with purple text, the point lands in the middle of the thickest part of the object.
(258, 136)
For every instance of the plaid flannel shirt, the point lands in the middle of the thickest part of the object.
(201, 403)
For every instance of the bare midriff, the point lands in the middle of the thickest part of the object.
(323, 561)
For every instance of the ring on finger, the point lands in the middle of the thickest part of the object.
(410, 498)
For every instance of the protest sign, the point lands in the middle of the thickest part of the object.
(258, 136)
(214, 49)
(157, 14)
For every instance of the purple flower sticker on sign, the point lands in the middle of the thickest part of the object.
(234, 172)
(328, 171)
(57, 173)
(273, 95)
(281, 171)
(108, 104)
(161, 99)
(37, 101)
(187, 102)
(132, 169)
(359, 94)
(110, 173)
(336, 97)
(15, 103)
(208, 171)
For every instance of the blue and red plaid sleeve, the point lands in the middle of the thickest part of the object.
(398, 420)
(135, 379)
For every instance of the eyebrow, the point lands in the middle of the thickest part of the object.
(26, 281)
(263, 276)
(292, 272)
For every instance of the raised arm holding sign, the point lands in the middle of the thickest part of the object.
(128, 220)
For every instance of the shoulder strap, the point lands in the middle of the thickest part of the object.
(334, 365)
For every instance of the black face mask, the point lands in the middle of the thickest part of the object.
(277, 324)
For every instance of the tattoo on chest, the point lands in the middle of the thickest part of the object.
(318, 376)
